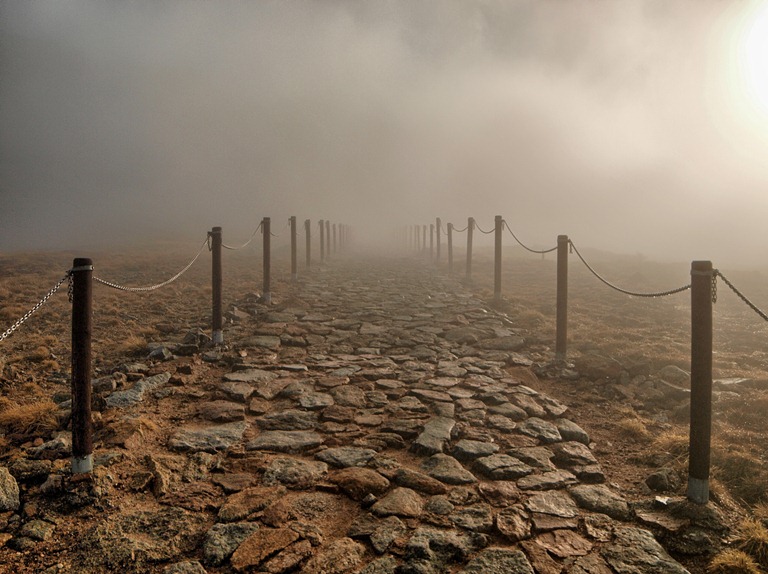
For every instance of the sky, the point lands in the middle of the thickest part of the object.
(636, 127)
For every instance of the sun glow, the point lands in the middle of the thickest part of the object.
(753, 58)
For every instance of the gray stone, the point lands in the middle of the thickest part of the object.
(436, 433)
(673, 374)
(555, 503)
(315, 401)
(349, 396)
(288, 420)
(357, 483)
(509, 410)
(447, 469)
(599, 498)
(663, 480)
(134, 395)
(400, 502)
(250, 376)
(9, 491)
(418, 481)
(501, 467)
(439, 505)
(508, 343)
(540, 429)
(294, 473)
(237, 391)
(386, 532)
(37, 530)
(528, 404)
(383, 565)
(635, 551)
(346, 456)
(223, 539)
(285, 441)
(570, 431)
(476, 517)
(208, 439)
(570, 454)
(539, 457)
(27, 470)
(441, 547)
(468, 450)
(499, 561)
(547, 480)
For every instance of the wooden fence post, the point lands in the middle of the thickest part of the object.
(322, 241)
(470, 230)
(701, 381)
(561, 339)
(497, 259)
(327, 238)
(438, 224)
(450, 248)
(308, 233)
(82, 322)
(217, 315)
(267, 259)
(294, 251)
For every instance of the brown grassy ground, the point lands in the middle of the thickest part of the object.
(630, 441)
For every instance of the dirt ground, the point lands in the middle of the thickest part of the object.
(641, 336)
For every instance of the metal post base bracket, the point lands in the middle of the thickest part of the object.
(218, 337)
(81, 465)
(698, 490)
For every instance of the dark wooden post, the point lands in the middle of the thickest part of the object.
(701, 381)
(450, 248)
(322, 241)
(327, 238)
(294, 251)
(561, 340)
(470, 231)
(431, 241)
(217, 333)
(267, 257)
(82, 320)
(424, 237)
(334, 238)
(438, 224)
(497, 259)
(308, 233)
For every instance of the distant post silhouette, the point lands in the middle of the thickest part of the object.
(450, 248)
(431, 241)
(322, 241)
(497, 259)
(294, 251)
(470, 231)
(267, 259)
(327, 238)
(438, 224)
(308, 238)
(561, 341)
(217, 333)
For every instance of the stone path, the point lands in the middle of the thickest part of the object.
(370, 425)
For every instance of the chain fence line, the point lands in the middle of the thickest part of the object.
(40, 303)
(157, 286)
(651, 295)
(740, 295)
(255, 231)
(481, 230)
(462, 230)
(524, 246)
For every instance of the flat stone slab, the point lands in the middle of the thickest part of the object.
(542, 430)
(207, 439)
(499, 561)
(501, 467)
(555, 503)
(358, 482)
(222, 411)
(437, 432)
(599, 498)
(294, 473)
(636, 551)
(250, 376)
(288, 420)
(285, 441)
(346, 456)
(134, 395)
(564, 543)
(547, 480)
(447, 469)
(469, 450)
(400, 502)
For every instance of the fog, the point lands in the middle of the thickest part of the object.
(629, 126)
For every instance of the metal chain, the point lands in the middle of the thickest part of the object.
(620, 290)
(153, 287)
(29, 313)
(225, 246)
(740, 295)
(461, 230)
(540, 252)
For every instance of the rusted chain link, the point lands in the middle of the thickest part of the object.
(481, 230)
(255, 231)
(740, 295)
(153, 287)
(539, 251)
(29, 313)
(626, 292)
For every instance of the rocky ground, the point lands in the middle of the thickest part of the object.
(379, 417)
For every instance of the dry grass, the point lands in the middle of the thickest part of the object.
(30, 420)
(733, 562)
(131, 345)
(760, 511)
(753, 539)
(632, 428)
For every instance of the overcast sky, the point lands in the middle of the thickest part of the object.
(627, 125)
